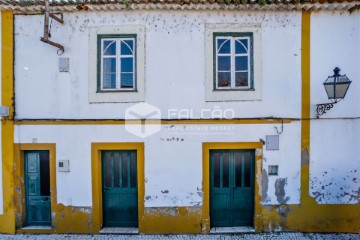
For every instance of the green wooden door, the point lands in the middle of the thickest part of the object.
(120, 202)
(232, 188)
(37, 188)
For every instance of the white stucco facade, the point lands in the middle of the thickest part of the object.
(173, 158)
(175, 77)
(334, 150)
(174, 64)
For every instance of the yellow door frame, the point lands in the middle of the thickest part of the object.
(96, 174)
(206, 147)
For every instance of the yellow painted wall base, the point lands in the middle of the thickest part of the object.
(176, 220)
(330, 217)
(311, 217)
(66, 219)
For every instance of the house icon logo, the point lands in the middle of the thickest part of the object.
(143, 120)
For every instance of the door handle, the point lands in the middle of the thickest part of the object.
(45, 198)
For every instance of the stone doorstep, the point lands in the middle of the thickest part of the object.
(37, 228)
(222, 230)
(116, 230)
(216, 230)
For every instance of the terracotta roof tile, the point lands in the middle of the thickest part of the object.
(37, 6)
(236, 2)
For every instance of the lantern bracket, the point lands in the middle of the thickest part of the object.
(323, 107)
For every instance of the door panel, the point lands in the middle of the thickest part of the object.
(232, 188)
(120, 204)
(37, 188)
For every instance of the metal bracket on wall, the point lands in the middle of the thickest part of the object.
(46, 37)
(323, 108)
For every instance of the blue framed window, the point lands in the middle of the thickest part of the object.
(117, 62)
(233, 60)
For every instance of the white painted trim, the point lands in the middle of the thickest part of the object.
(114, 97)
(232, 95)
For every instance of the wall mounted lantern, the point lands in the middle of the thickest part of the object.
(336, 87)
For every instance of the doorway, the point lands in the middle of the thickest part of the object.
(119, 184)
(37, 188)
(231, 188)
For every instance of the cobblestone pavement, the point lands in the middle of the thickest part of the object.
(255, 236)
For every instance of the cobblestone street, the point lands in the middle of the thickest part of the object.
(290, 236)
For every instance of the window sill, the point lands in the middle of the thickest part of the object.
(117, 96)
(116, 91)
(235, 89)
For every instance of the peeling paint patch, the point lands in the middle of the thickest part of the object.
(280, 190)
(163, 211)
(305, 159)
(335, 186)
(265, 187)
(258, 152)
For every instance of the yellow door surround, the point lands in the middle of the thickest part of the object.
(96, 174)
(206, 147)
(19, 183)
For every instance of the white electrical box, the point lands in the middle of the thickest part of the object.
(63, 166)
(64, 64)
(4, 111)
(272, 142)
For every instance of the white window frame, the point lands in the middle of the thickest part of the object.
(232, 56)
(118, 58)
(212, 92)
(119, 95)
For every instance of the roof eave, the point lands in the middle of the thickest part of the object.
(198, 7)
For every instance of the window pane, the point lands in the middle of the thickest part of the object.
(241, 79)
(225, 170)
(109, 65)
(127, 80)
(109, 47)
(241, 46)
(116, 169)
(224, 79)
(125, 166)
(133, 170)
(109, 81)
(217, 170)
(109, 73)
(108, 170)
(223, 45)
(127, 64)
(237, 169)
(224, 63)
(241, 63)
(247, 169)
(127, 47)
